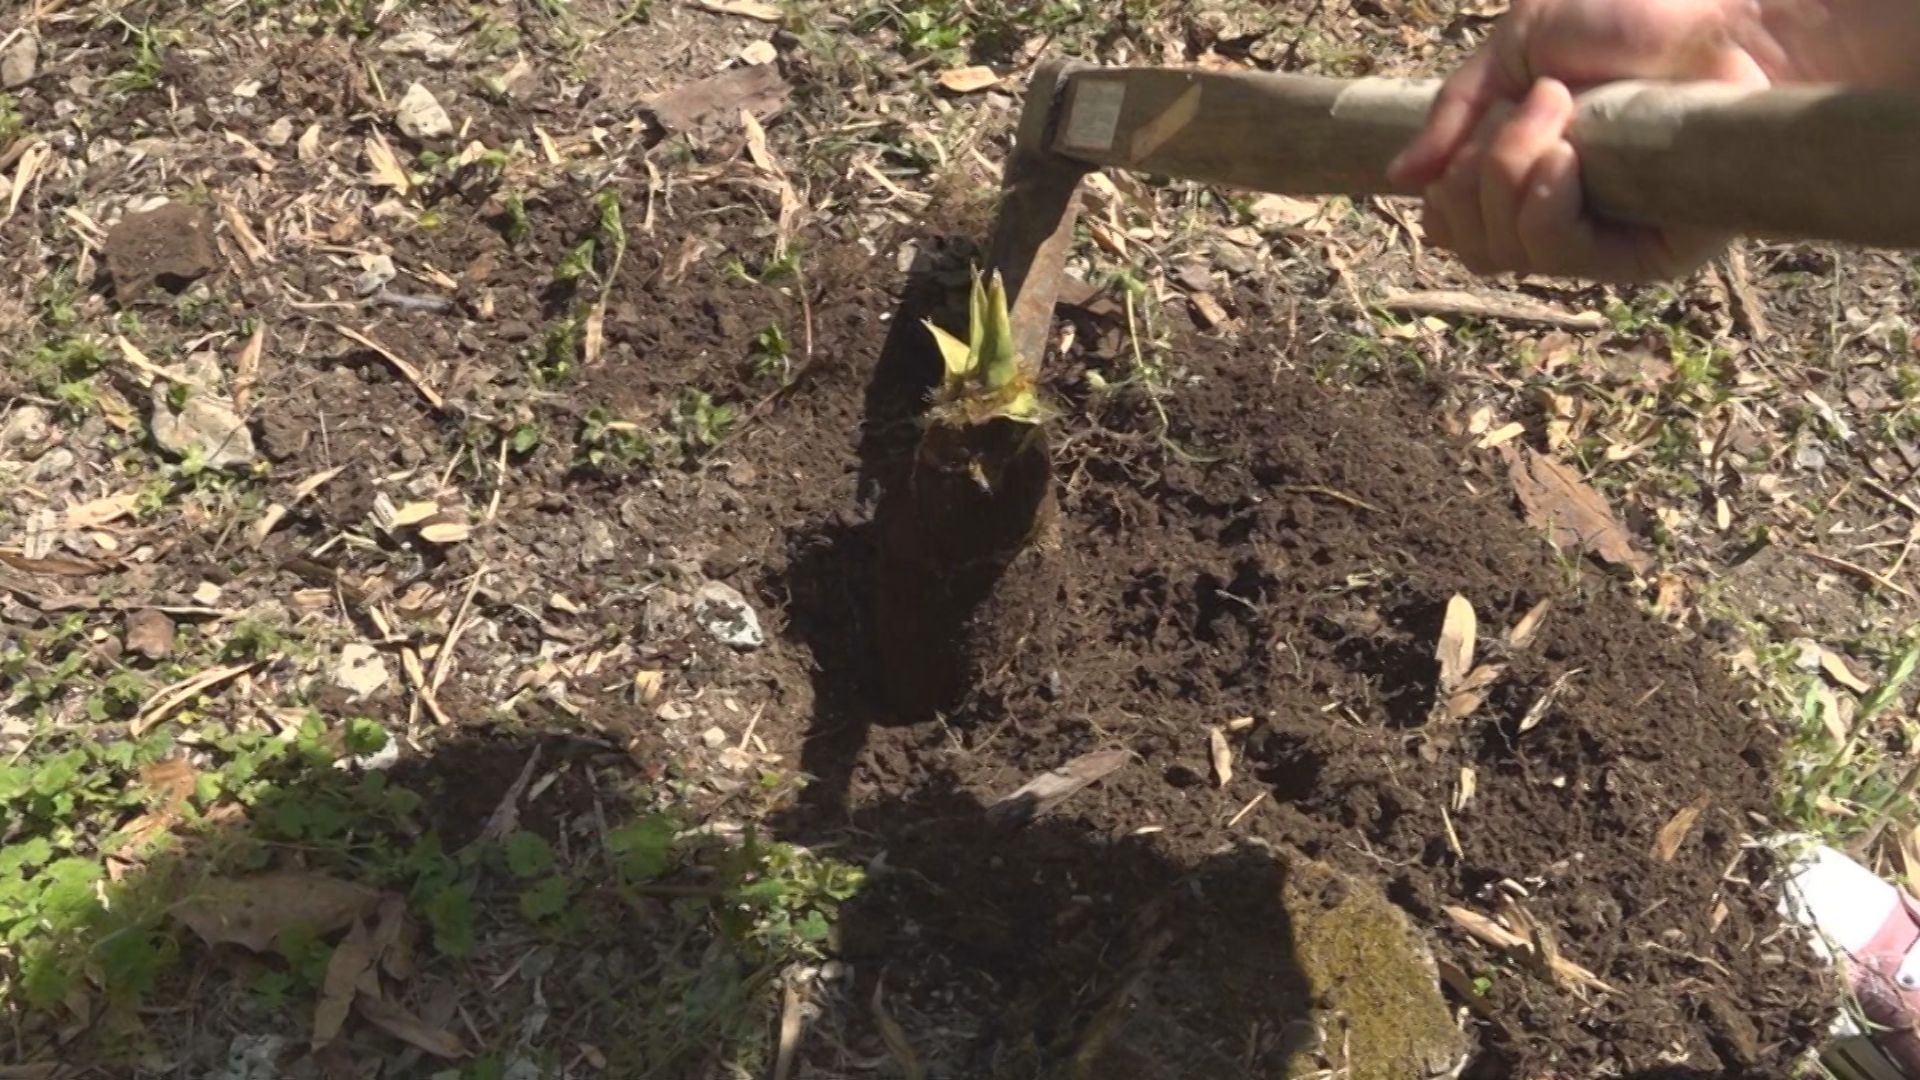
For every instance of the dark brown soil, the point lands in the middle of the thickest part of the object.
(1238, 578)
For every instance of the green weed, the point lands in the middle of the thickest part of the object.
(612, 447)
(700, 423)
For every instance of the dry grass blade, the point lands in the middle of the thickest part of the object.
(409, 1028)
(246, 367)
(406, 370)
(891, 1033)
(1220, 753)
(387, 170)
(139, 362)
(1491, 933)
(745, 9)
(1538, 710)
(173, 697)
(1458, 634)
(1675, 832)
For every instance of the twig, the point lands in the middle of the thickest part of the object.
(1859, 571)
(1504, 307)
(407, 371)
(443, 660)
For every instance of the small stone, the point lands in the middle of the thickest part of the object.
(171, 247)
(360, 669)
(26, 426)
(420, 116)
(150, 633)
(207, 594)
(724, 613)
(51, 466)
(714, 738)
(759, 52)
(279, 133)
(206, 426)
(425, 44)
(20, 62)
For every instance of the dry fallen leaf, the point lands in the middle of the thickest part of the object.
(1458, 632)
(1836, 668)
(1538, 710)
(1674, 833)
(253, 910)
(1492, 933)
(1046, 791)
(1528, 627)
(351, 962)
(409, 1028)
(446, 532)
(387, 171)
(394, 937)
(1503, 434)
(1466, 699)
(968, 80)
(1220, 752)
(97, 512)
(1573, 513)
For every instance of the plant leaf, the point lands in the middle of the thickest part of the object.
(999, 364)
(956, 355)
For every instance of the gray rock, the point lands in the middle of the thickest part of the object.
(51, 466)
(20, 62)
(206, 425)
(420, 116)
(724, 613)
(253, 1057)
(26, 426)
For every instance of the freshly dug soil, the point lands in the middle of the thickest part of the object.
(1285, 554)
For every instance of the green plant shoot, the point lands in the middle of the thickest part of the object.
(984, 377)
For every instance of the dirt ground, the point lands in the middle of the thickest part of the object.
(474, 522)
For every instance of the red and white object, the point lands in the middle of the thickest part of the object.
(1871, 930)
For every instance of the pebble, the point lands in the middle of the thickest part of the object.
(722, 611)
(420, 116)
(28, 425)
(20, 62)
(51, 466)
(204, 425)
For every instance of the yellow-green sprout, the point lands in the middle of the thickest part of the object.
(984, 378)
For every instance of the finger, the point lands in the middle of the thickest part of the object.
(1455, 197)
(1514, 150)
(1560, 239)
(1463, 99)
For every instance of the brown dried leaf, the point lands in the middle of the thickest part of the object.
(1674, 833)
(969, 80)
(149, 633)
(171, 782)
(1836, 668)
(252, 910)
(1220, 752)
(1046, 791)
(409, 1028)
(351, 961)
(394, 937)
(1528, 627)
(1572, 512)
(1457, 639)
(1467, 698)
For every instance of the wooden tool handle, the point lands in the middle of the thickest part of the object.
(1807, 162)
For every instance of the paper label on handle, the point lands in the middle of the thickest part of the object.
(1094, 114)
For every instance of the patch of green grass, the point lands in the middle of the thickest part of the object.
(700, 423)
(11, 122)
(147, 64)
(611, 447)
(771, 353)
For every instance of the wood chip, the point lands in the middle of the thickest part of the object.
(446, 532)
(717, 101)
(969, 80)
(1675, 832)
(387, 171)
(1220, 754)
(1502, 435)
(98, 512)
(1573, 513)
(1500, 307)
(412, 514)
(745, 9)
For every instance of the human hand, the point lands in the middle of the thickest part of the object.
(1500, 178)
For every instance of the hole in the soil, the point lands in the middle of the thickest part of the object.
(1288, 765)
